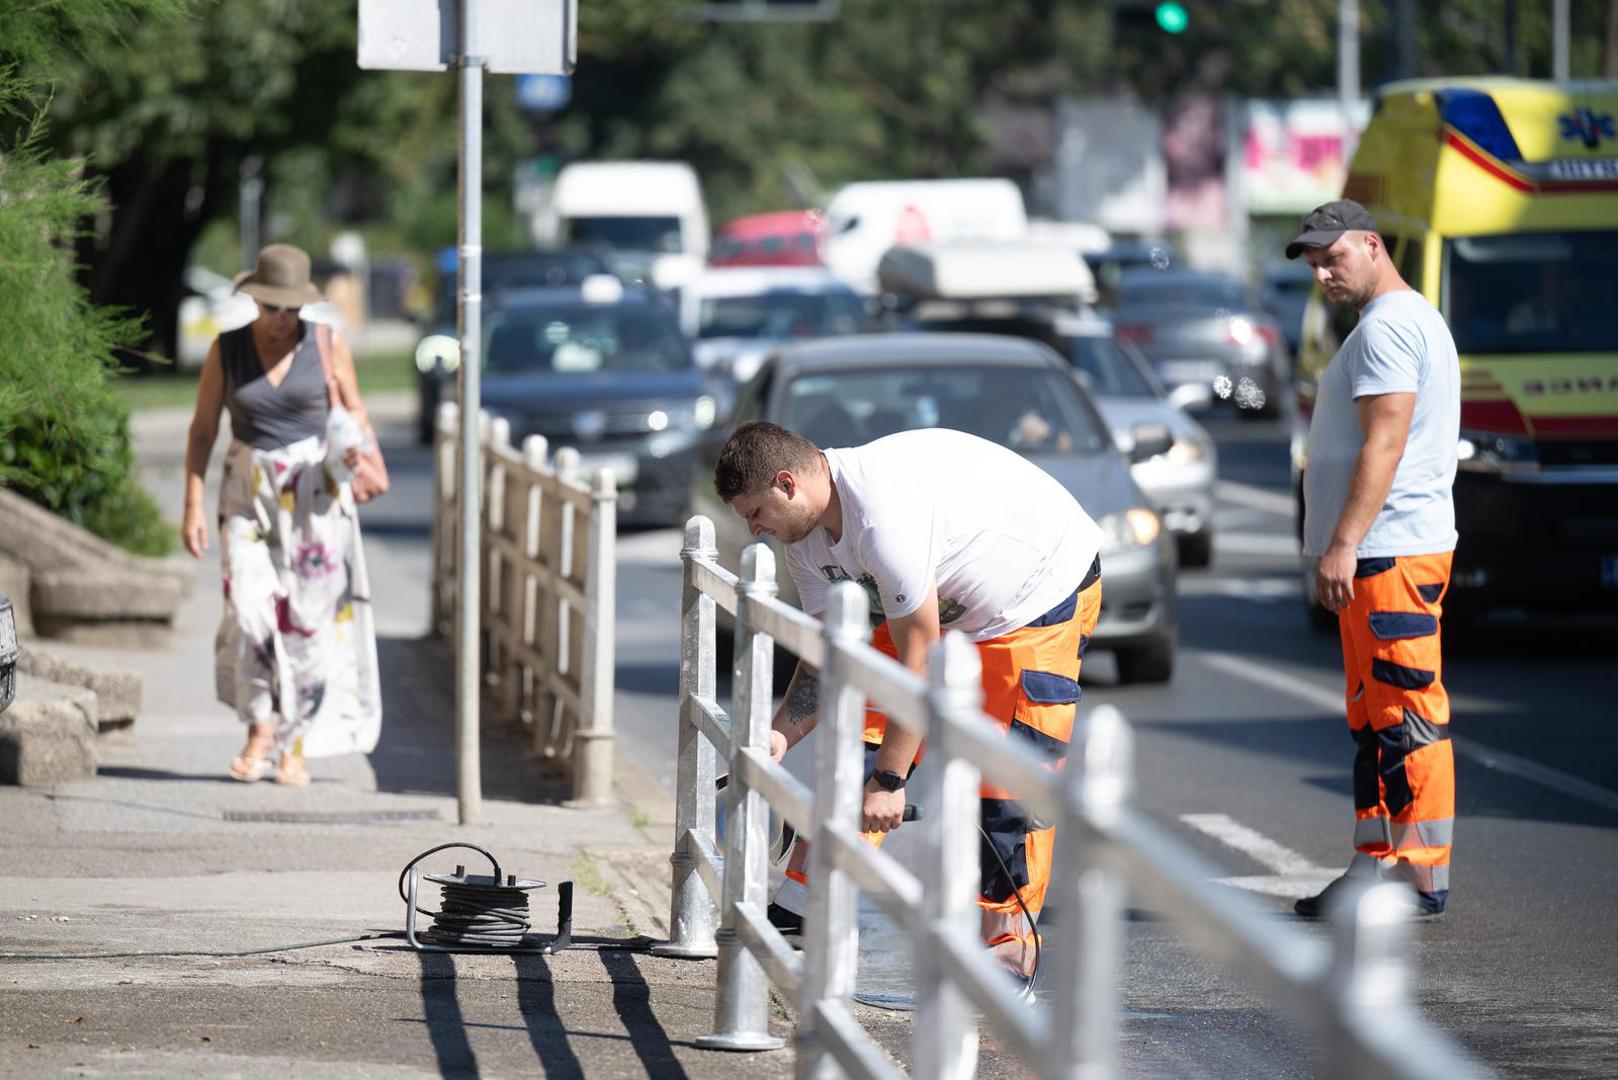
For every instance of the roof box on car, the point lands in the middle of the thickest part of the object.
(973, 271)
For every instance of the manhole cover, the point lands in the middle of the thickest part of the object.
(329, 817)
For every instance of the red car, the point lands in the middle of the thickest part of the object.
(781, 238)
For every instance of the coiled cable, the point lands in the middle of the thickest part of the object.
(485, 913)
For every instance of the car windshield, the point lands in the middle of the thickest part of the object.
(1549, 292)
(583, 339)
(779, 314)
(1112, 372)
(1030, 410)
(527, 270)
(660, 234)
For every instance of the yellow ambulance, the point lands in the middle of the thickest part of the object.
(1498, 200)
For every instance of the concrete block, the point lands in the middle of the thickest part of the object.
(48, 736)
(85, 594)
(15, 581)
(117, 690)
(108, 634)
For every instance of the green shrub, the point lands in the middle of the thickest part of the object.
(64, 434)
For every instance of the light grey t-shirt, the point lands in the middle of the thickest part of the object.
(1401, 345)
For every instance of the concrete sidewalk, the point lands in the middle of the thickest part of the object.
(161, 851)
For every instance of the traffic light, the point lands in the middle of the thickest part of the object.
(1149, 18)
(1171, 17)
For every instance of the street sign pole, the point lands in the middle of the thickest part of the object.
(1348, 71)
(526, 37)
(468, 654)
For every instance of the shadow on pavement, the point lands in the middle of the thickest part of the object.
(536, 1000)
(446, 1026)
(416, 752)
(632, 998)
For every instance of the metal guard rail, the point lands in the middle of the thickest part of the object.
(548, 572)
(1352, 995)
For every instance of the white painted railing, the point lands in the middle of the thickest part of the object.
(1351, 994)
(548, 573)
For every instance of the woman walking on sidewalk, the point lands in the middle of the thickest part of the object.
(295, 655)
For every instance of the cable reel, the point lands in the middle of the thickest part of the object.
(480, 913)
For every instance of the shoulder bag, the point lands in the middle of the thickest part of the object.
(370, 475)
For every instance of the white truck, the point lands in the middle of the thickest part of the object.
(649, 217)
(865, 219)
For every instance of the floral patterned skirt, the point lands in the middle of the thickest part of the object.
(296, 647)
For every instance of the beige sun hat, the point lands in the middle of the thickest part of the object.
(281, 277)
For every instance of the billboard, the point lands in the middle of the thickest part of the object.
(1291, 154)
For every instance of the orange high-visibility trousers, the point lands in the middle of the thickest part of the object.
(1398, 714)
(1031, 686)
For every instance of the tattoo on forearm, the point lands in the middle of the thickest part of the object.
(803, 698)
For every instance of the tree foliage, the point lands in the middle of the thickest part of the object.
(64, 436)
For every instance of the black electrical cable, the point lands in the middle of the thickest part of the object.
(473, 914)
(374, 935)
(1033, 924)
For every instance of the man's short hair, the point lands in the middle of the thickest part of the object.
(755, 452)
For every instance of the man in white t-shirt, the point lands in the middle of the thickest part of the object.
(1379, 518)
(942, 529)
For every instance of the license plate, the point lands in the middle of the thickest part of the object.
(1609, 571)
(1190, 371)
(623, 466)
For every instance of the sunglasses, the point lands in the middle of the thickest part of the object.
(275, 309)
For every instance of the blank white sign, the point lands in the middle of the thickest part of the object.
(516, 37)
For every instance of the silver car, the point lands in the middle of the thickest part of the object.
(1172, 456)
(1205, 328)
(848, 391)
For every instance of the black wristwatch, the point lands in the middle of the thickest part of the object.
(888, 781)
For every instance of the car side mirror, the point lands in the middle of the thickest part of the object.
(1149, 441)
(1189, 396)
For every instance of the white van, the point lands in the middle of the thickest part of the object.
(863, 220)
(650, 211)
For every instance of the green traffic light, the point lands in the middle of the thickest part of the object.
(1172, 18)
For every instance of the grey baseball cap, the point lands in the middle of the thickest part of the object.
(1326, 223)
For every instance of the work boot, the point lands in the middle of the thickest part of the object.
(789, 922)
(1364, 868)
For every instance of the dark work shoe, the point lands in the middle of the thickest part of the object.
(790, 923)
(1320, 905)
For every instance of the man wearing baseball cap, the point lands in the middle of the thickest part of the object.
(1379, 519)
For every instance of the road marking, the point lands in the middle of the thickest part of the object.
(1284, 544)
(1243, 588)
(1273, 502)
(1294, 876)
(1332, 702)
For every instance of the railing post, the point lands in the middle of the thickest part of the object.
(831, 925)
(568, 465)
(445, 534)
(742, 1001)
(1085, 956)
(946, 1031)
(529, 694)
(1368, 974)
(592, 748)
(503, 672)
(691, 910)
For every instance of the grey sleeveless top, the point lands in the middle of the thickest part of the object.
(266, 417)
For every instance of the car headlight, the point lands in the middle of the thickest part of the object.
(1133, 528)
(704, 412)
(1487, 452)
(699, 415)
(1187, 451)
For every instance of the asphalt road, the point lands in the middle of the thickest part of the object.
(1245, 757)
